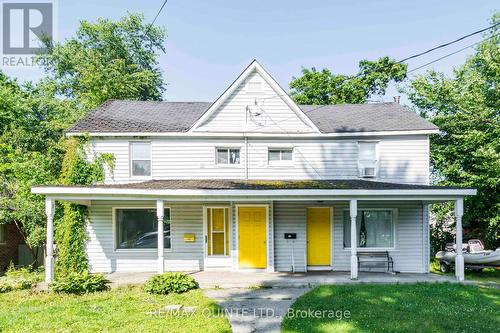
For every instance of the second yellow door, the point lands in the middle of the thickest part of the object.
(318, 236)
(252, 238)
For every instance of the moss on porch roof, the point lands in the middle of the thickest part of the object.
(231, 184)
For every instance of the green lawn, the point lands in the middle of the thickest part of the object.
(120, 310)
(486, 275)
(433, 308)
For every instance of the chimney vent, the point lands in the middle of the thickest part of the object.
(396, 99)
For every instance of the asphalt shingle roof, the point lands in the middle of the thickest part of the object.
(235, 184)
(365, 118)
(150, 117)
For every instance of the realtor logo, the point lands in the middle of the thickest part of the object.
(25, 27)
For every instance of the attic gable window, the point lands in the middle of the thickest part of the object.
(140, 159)
(254, 87)
(228, 156)
(367, 159)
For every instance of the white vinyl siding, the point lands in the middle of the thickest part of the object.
(409, 252)
(402, 159)
(278, 117)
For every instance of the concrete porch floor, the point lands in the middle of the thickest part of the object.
(216, 279)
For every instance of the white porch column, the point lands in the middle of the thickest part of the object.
(353, 209)
(49, 244)
(159, 215)
(459, 259)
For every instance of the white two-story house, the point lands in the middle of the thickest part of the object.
(254, 181)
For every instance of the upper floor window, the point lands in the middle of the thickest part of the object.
(367, 159)
(140, 159)
(228, 156)
(280, 155)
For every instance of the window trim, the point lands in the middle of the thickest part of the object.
(227, 165)
(115, 231)
(395, 219)
(130, 159)
(280, 162)
(364, 163)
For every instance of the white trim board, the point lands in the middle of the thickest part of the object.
(252, 134)
(94, 192)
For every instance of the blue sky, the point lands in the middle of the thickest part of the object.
(210, 42)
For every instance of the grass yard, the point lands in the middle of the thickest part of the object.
(433, 308)
(120, 310)
(487, 275)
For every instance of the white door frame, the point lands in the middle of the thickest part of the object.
(218, 259)
(269, 249)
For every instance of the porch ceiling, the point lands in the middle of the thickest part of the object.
(228, 189)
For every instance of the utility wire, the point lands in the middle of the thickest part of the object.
(410, 71)
(450, 54)
(416, 55)
(154, 20)
(449, 43)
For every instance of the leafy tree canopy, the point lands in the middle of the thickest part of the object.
(466, 107)
(323, 87)
(108, 60)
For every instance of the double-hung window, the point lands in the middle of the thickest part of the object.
(228, 156)
(137, 228)
(375, 228)
(367, 159)
(279, 156)
(140, 159)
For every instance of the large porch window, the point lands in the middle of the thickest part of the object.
(217, 231)
(137, 228)
(375, 228)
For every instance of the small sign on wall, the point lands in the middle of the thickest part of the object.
(189, 238)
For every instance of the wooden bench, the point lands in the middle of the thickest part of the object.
(372, 257)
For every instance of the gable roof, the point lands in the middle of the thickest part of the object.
(254, 66)
(125, 116)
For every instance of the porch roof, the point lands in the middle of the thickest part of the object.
(229, 189)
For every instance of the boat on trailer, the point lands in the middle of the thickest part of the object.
(475, 256)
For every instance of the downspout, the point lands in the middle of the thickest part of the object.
(246, 157)
(247, 109)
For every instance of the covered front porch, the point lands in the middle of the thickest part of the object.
(212, 279)
(262, 227)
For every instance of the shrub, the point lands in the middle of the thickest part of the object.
(18, 279)
(170, 283)
(80, 283)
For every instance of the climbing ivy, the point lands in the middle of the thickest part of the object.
(77, 169)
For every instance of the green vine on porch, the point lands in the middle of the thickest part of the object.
(70, 233)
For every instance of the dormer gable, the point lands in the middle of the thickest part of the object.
(254, 103)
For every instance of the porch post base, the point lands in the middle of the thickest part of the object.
(161, 266)
(49, 269)
(459, 267)
(354, 267)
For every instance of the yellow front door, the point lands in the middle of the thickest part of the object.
(318, 236)
(252, 238)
